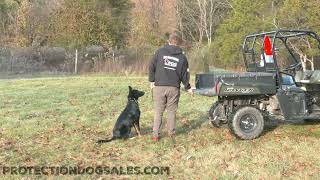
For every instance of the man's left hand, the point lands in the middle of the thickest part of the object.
(190, 91)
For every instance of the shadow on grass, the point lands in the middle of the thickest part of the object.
(185, 128)
(271, 125)
(275, 122)
(201, 118)
(305, 122)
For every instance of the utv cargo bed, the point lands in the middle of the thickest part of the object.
(231, 84)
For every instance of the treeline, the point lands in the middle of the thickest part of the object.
(213, 30)
(65, 23)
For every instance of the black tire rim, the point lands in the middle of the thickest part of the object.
(248, 123)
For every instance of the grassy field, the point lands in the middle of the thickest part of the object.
(56, 122)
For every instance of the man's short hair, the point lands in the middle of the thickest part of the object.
(175, 38)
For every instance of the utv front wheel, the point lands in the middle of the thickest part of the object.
(246, 123)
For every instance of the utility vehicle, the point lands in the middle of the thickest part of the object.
(282, 78)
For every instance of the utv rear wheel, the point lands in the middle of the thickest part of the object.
(216, 116)
(246, 123)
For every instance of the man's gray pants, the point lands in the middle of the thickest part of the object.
(165, 97)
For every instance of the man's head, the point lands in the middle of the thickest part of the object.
(175, 39)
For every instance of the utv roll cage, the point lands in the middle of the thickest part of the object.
(250, 42)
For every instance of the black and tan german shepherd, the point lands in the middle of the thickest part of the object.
(129, 117)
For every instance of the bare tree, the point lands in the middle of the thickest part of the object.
(199, 18)
(303, 50)
(156, 11)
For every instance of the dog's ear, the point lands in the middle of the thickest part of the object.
(130, 88)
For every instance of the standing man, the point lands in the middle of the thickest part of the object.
(168, 68)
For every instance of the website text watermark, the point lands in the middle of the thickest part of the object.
(69, 170)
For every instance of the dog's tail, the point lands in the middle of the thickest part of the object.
(105, 140)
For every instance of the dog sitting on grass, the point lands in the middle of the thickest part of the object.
(129, 117)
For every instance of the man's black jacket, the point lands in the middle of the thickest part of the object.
(169, 67)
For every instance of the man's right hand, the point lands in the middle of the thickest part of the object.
(152, 85)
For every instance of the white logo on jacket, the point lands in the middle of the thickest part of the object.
(170, 62)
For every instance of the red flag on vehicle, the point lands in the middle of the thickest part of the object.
(267, 46)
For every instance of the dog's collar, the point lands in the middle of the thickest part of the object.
(134, 100)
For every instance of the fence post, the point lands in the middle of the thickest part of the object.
(76, 63)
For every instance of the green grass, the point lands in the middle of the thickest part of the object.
(56, 122)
